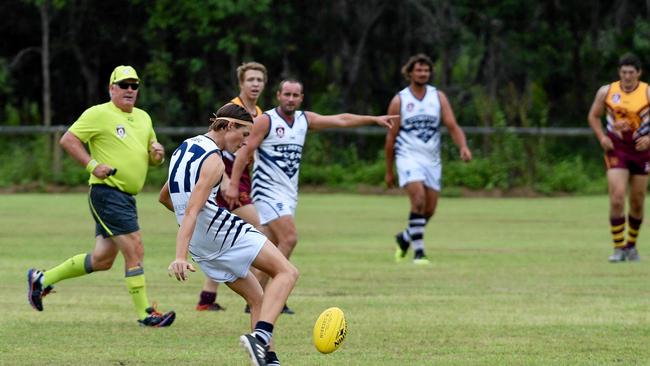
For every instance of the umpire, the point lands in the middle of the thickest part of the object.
(122, 146)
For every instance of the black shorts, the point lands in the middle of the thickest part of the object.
(113, 210)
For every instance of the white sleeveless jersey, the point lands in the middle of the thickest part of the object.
(217, 229)
(419, 133)
(277, 159)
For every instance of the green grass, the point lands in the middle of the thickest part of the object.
(513, 282)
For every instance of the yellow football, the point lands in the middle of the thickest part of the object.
(330, 330)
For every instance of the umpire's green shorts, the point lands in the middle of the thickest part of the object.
(113, 210)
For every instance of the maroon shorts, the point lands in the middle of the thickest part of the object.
(244, 187)
(625, 156)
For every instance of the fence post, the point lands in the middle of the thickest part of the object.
(56, 154)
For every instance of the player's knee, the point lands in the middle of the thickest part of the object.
(292, 273)
(102, 264)
(290, 240)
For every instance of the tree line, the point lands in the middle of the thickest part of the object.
(526, 62)
(520, 63)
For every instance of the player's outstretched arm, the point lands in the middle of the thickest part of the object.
(211, 172)
(456, 133)
(253, 141)
(344, 120)
(389, 145)
(164, 198)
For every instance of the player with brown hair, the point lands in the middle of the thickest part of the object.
(626, 142)
(413, 144)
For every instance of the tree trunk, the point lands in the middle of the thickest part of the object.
(44, 9)
(354, 59)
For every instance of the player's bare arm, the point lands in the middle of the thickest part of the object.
(642, 142)
(253, 141)
(73, 146)
(391, 136)
(594, 117)
(345, 120)
(164, 198)
(225, 182)
(456, 133)
(211, 172)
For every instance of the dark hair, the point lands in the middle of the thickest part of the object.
(420, 58)
(241, 70)
(230, 110)
(630, 59)
(291, 80)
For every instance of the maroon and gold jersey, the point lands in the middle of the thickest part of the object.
(245, 179)
(626, 112)
(239, 102)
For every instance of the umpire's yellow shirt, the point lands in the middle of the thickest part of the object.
(120, 140)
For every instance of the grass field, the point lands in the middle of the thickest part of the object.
(513, 282)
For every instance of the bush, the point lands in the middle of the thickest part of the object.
(570, 176)
(346, 162)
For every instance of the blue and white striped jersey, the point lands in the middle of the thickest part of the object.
(217, 229)
(419, 133)
(277, 159)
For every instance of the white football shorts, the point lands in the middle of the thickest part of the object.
(409, 170)
(235, 262)
(271, 210)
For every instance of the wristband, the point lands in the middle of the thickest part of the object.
(92, 164)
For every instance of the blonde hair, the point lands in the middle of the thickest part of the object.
(241, 70)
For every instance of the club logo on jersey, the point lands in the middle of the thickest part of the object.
(616, 97)
(279, 131)
(289, 161)
(423, 126)
(409, 107)
(121, 131)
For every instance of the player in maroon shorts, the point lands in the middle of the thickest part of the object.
(626, 144)
(252, 79)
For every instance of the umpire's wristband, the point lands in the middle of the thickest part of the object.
(92, 164)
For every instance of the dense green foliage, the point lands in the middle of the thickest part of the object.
(508, 63)
(533, 63)
(337, 161)
(513, 282)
